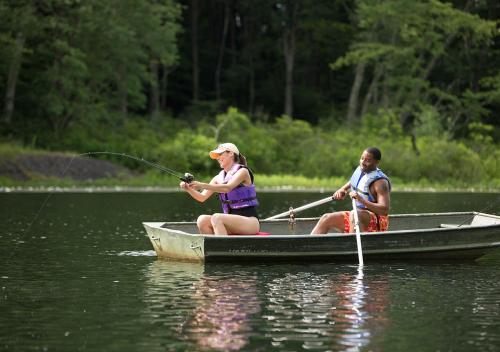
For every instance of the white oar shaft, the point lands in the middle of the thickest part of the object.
(299, 209)
(358, 233)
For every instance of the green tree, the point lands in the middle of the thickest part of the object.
(253, 140)
(84, 59)
(17, 25)
(407, 47)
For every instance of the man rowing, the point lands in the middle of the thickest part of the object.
(371, 188)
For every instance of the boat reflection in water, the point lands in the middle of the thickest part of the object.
(225, 305)
(212, 309)
(229, 308)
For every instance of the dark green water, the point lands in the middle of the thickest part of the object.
(83, 277)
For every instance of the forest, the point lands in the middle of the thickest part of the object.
(301, 86)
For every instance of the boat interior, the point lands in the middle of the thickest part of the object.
(397, 222)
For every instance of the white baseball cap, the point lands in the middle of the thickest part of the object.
(224, 147)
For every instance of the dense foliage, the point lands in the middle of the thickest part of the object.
(301, 86)
(296, 148)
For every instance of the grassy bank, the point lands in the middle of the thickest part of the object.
(263, 182)
(152, 178)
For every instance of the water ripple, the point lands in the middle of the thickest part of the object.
(150, 253)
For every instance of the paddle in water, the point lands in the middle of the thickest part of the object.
(358, 234)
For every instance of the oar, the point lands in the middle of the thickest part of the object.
(304, 207)
(358, 234)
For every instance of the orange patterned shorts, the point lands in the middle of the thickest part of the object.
(377, 222)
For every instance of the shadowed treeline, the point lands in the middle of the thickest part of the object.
(300, 86)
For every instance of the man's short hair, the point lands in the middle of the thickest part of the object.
(375, 152)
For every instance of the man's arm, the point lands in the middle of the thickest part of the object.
(342, 191)
(380, 189)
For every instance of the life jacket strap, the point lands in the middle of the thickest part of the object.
(237, 201)
(359, 190)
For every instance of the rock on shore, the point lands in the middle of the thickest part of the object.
(39, 165)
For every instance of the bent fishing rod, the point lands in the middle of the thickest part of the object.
(187, 177)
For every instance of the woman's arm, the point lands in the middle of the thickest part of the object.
(199, 196)
(241, 176)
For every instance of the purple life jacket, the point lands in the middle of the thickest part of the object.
(239, 197)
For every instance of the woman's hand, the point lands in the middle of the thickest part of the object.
(193, 185)
(196, 185)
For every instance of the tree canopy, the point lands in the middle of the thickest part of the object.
(80, 74)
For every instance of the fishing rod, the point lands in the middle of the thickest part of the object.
(187, 177)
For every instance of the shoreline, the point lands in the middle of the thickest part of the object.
(154, 189)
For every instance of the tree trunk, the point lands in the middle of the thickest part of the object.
(289, 55)
(154, 94)
(194, 50)
(222, 49)
(14, 68)
(235, 23)
(414, 143)
(352, 109)
(248, 52)
(372, 90)
(163, 88)
(122, 91)
(251, 87)
(289, 48)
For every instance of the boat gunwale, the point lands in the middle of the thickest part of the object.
(368, 252)
(161, 226)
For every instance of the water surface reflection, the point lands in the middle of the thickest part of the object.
(83, 276)
(224, 308)
(215, 309)
(310, 310)
(265, 307)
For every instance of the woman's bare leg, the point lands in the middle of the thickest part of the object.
(204, 224)
(224, 224)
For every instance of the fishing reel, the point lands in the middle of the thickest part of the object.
(188, 178)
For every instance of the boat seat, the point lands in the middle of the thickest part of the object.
(260, 233)
(448, 226)
(452, 226)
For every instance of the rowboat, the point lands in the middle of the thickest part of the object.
(454, 235)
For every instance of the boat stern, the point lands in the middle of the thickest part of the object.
(175, 244)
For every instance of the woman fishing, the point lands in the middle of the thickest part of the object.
(236, 190)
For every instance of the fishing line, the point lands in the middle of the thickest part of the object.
(488, 207)
(50, 195)
(142, 160)
(187, 177)
(43, 204)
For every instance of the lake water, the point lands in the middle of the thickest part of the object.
(79, 274)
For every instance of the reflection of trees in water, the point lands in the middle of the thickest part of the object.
(309, 311)
(221, 319)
